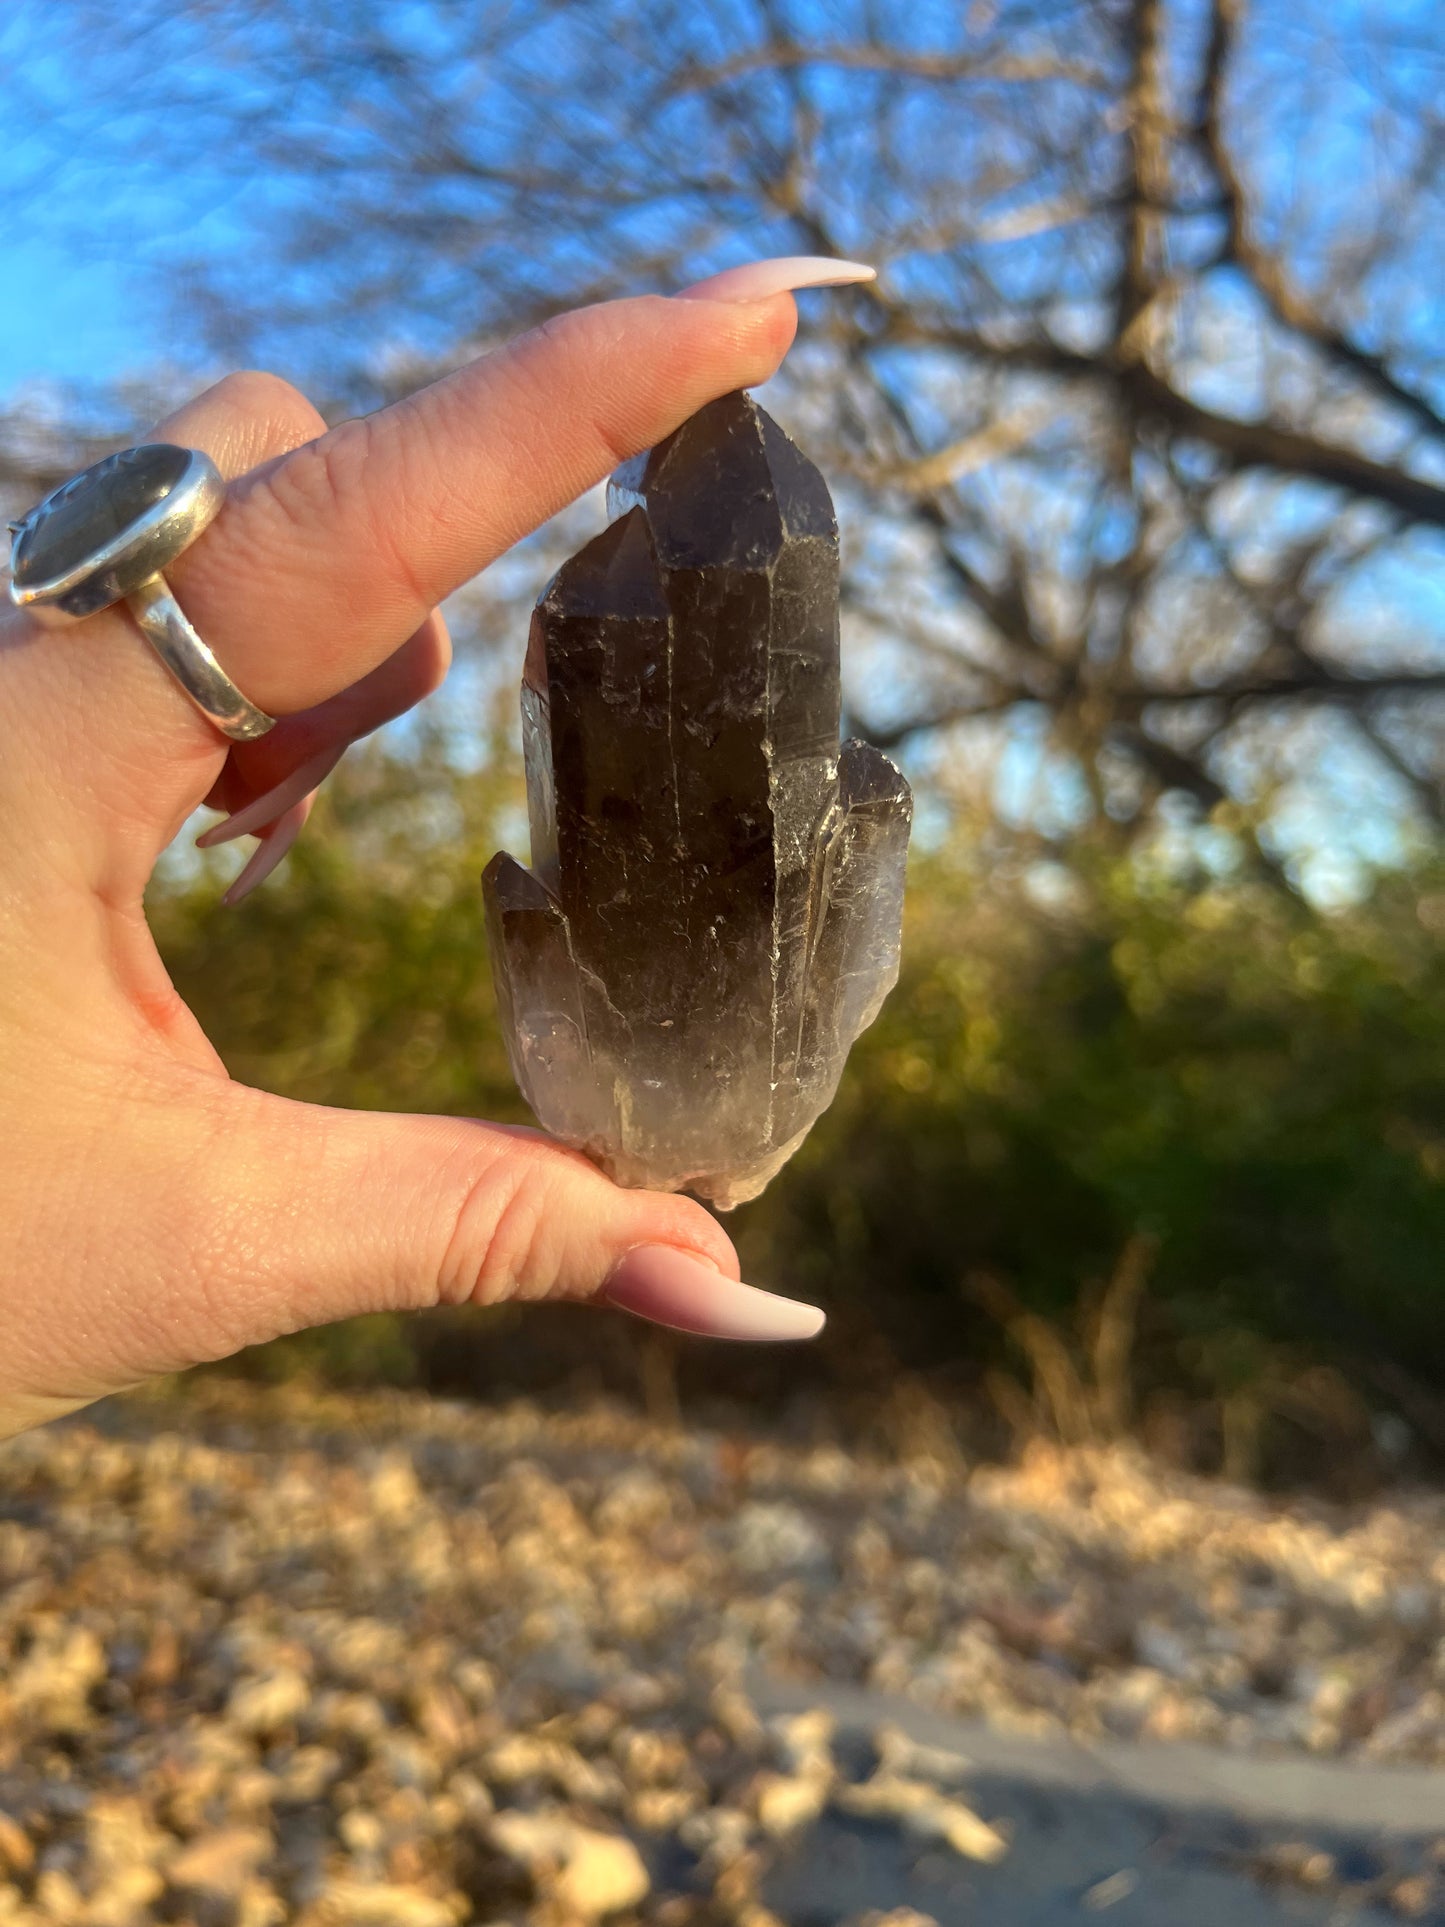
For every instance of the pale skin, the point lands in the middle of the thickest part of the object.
(154, 1214)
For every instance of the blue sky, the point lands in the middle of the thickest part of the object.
(67, 313)
(72, 309)
(73, 312)
(60, 318)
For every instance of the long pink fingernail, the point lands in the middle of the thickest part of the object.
(303, 781)
(756, 280)
(668, 1287)
(273, 847)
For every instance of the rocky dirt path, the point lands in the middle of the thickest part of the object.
(268, 1657)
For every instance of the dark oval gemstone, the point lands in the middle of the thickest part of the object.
(92, 509)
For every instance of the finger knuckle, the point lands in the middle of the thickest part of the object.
(344, 480)
(257, 395)
(585, 341)
(509, 1239)
(314, 482)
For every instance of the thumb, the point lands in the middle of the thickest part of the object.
(362, 1211)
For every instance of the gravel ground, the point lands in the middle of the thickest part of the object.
(270, 1656)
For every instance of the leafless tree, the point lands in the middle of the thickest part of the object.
(1140, 437)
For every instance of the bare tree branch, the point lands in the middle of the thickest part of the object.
(1083, 483)
(1266, 270)
(781, 54)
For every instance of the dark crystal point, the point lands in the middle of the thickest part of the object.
(715, 900)
(83, 515)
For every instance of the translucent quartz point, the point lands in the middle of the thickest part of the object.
(716, 893)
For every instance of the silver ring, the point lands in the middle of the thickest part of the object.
(106, 536)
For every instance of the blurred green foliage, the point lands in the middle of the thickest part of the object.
(1258, 1088)
(1074, 1056)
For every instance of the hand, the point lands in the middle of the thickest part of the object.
(154, 1214)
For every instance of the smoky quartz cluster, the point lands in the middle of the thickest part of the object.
(714, 905)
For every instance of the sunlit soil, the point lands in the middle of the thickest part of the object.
(268, 1655)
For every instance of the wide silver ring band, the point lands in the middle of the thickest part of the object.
(168, 496)
(168, 629)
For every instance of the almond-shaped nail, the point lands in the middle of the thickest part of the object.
(268, 854)
(670, 1287)
(303, 781)
(756, 280)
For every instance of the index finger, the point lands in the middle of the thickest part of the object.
(325, 560)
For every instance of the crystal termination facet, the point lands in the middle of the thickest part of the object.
(715, 901)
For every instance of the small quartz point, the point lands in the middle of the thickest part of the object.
(716, 894)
